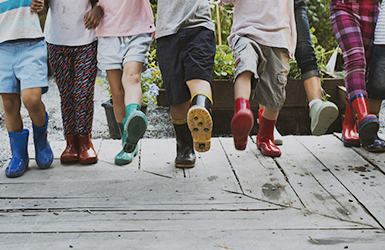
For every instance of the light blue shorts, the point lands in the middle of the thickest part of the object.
(23, 65)
(114, 52)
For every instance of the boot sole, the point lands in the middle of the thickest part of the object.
(184, 164)
(326, 117)
(135, 129)
(200, 124)
(368, 129)
(241, 126)
(350, 143)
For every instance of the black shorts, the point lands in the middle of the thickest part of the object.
(185, 56)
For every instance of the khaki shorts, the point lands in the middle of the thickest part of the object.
(270, 67)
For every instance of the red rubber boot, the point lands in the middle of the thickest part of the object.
(368, 124)
(242, 123)
(87, 153)
(265, 137)
(350, 136)
(71, 152)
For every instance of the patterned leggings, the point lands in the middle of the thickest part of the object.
(75, 71)
(353, 26)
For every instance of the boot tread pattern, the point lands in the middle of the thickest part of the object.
(200, 123)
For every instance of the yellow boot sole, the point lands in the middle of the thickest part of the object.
(200, 124)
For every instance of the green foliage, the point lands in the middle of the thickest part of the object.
(225, 19)
(224, 63)
(318, 14)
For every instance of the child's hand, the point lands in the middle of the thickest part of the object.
(92, 17)
(37, 5)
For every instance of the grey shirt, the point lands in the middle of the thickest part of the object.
(174, 15)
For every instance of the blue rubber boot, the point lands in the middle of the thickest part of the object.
(43, 151)
(123, 158)
(19, 148)
(135, 125)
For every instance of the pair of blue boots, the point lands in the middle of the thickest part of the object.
(19, 148)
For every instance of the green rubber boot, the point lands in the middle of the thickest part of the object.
(123, 158)
(135, 125)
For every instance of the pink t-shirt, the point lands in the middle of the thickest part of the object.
(125, 18)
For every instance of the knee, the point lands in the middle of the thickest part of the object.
(131, 77)
(11, 106)
(32, 103)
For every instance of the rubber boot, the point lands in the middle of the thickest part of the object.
(368, 124)
(71, 152)
(43, 151)
(185, 155)
(265, 137)
(87, 153)
(350, 136)
(135, 125)
(242, 123)
(200, 122)
(19, 149)
(123, 158)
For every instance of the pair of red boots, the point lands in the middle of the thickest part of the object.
(243, 122)
(368, 124)
(79, 148)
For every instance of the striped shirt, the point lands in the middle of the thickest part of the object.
(379, 33)
(17, 21)
(269, 22)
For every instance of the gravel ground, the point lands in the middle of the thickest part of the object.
(159, 126)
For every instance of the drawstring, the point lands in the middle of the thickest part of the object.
(123, 41)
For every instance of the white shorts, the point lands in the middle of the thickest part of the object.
(114, 52)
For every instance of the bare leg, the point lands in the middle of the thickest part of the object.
(33, 103)
(117, 92)
(131, 83)
(12, 105)
(313, 88)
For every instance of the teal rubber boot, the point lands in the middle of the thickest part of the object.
(19, 148)
(123, 158)
(43, 151)
(135, 125)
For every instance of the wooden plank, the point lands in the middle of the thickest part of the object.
(258, 175)
(214, 239)
(311, 180)
(158, 156)
(357, 175)
(376, 159)
(214, 166)
(109, 221)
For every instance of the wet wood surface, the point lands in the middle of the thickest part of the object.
(317, 195)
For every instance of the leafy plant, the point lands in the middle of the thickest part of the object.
(224, 63)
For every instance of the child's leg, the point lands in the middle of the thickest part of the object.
(85, 70)
(35, 106)
(135, 122)
(322, 114)
(243, 120)
(36, 109)
(12, 105)
(349, 33)
(117, 91)
(61, 60)
(185, 157)
(199, 115)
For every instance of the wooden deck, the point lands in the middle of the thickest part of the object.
(317, 195)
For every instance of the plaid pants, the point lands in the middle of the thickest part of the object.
(353, 25)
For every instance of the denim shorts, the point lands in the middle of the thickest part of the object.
(23, 65)
(270, 67)
(185, 56)
(114, 52)
(375, 86)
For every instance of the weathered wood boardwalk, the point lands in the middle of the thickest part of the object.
(317, 195)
